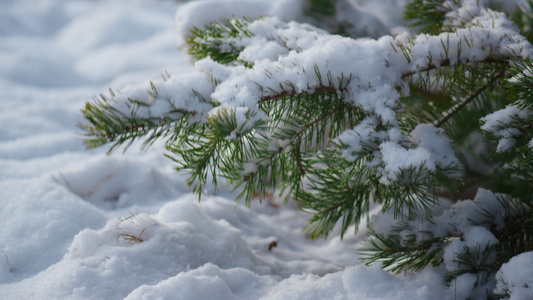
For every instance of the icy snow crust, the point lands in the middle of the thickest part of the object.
(77, 224)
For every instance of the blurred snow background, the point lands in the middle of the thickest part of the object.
(78, 224)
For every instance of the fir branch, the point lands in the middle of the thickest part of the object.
(474, 261)
(429, 15)
(399, 254)
(109, 125)
(304, 122)
(286, 133)
(516, 237)
(448, 63)
(438, 97)
(215, 40)
(343, 190)
(468, 100)
(520, 83)
(523, 17)
(218, 147)
(415, 190)
(341, 193)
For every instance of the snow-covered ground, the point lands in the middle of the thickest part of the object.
(77, 224)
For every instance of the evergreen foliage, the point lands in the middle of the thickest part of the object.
(447, 112)
(215, 41)
(321, 7)
(429, 14)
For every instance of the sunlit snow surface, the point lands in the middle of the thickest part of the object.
(77, 224)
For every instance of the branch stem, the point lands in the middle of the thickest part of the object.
(472, 97)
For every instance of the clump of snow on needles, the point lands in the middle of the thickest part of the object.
(500, 122)
(514, 280)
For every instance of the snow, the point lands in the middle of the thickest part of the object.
(397, 158)
(362, 134)
(435, 141)
(514, 279)
(172, 93)
(77, 224)
(199, 13)
(500, 123)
